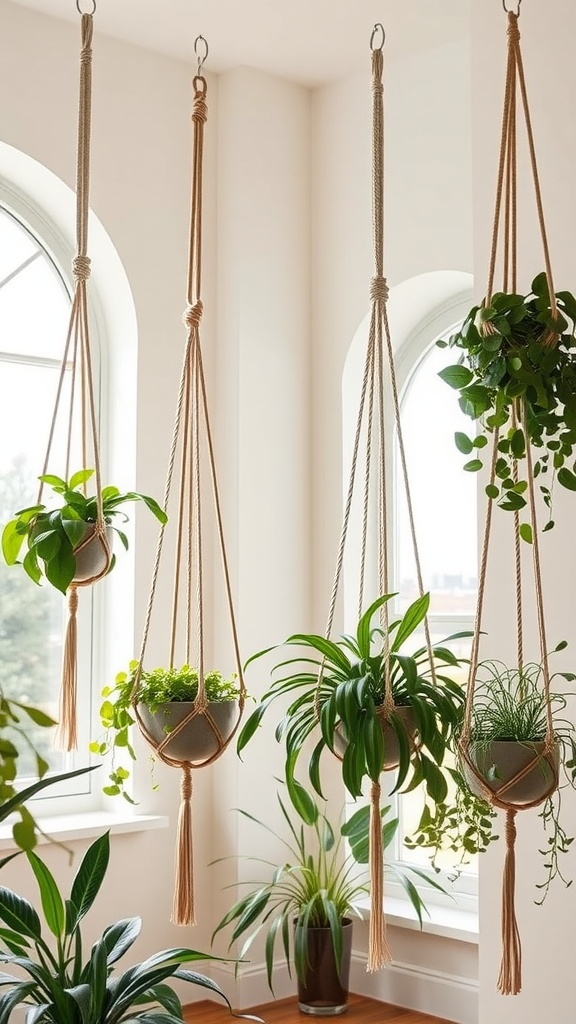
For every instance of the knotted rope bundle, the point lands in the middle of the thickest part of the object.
(544, 761)
(192, 436)
(80, 403)
(371, 447)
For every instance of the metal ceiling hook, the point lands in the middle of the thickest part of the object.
(509, 9)
(80, 11)
(378, 27)
(201, 51)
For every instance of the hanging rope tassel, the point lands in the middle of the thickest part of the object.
(378, 950)
(67, 738)
(183, 909)
(510, 977)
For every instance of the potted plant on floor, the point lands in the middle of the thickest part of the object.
(339, 689)
(58, 984)
(165, 705)
(507, 756)
(310, 898)
(63, 545)
(517, 374)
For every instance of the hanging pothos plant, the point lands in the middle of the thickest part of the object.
(517, 373)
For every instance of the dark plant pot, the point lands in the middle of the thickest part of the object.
(499, 763)
(324, 993)
(197, 740)
(391, 750)
(92, 561)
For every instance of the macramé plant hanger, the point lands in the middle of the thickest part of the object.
(81, 412)
(371, 447)
(544, 764)
(192, 438)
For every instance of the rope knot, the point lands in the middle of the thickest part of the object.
(72, 600)
(510, 828)
(513, 30)
(379, 289)
(200, 109)
(186, 782)
(193, 315)
(81, 268)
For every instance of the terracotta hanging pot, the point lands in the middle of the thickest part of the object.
(92, 559)
(197, 740)
(324, 992)
(499, 762)
(407, 721)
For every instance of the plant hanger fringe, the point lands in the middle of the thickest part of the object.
(77, 354)
(510, 977)
(191, 428)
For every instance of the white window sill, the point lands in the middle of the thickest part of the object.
(447, 922)
(69, 827)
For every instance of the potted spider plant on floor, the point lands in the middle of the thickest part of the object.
(310, 898)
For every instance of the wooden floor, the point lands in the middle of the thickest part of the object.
(285, 1011)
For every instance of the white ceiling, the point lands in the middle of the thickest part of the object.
(309, 41)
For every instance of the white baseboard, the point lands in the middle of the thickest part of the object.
(441, 995)
(416, 988)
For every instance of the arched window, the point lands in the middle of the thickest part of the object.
(34, 312)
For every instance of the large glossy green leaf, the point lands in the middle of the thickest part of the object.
(10, 1000)
(90, 875)
(414, 615)
(52, 902)
(119, 937)
(19, 914)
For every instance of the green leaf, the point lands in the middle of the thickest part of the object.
(90, 875)
(492, 491)
(473, 466)
(52, 902)
(457, 376)
(525, 531)
(567, 478)
(463, 443)
(81, 477)
(18, 914)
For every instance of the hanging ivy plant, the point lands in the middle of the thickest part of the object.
(517, 353)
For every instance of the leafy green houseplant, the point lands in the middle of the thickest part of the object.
(338, 689)
(310, 897)
(517, 373)
(165, 697)
(58, 983)
(506, 752)
(54, 534)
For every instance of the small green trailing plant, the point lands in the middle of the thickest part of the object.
(338, 687)
(517, 373)
(155, 687)
(316, 885)
(52, 533)
(510, 704)
(59, 984)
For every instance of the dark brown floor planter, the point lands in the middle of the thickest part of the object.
(197, 740)
(325, 992)
(392, 754)
(508, 758)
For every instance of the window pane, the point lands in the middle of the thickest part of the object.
(443, 495)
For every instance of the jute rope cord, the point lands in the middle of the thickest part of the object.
(506, 220)
(77, 362)
(192, 436)
(371, 450)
